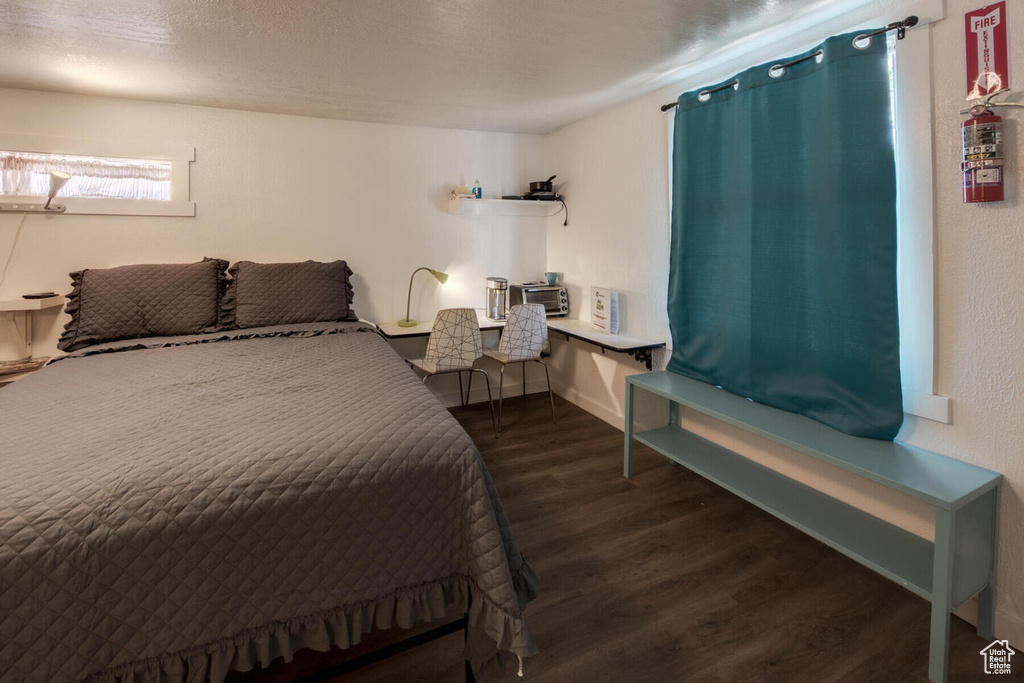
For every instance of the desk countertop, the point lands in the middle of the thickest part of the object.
(391, 329)
(580, 329)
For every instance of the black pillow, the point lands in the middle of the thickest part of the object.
(107, 304)
(262, 294)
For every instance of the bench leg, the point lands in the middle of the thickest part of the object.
(627, 462)
(987, 597)
(987, 612)
(942, 596)
(673, 421)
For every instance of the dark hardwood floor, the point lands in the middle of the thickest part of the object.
(667, 577)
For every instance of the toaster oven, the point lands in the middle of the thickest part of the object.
(554, 299)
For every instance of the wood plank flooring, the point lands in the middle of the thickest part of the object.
(667, 577)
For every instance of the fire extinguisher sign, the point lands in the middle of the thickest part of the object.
(987, 59)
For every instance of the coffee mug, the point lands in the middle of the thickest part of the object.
(552, 278)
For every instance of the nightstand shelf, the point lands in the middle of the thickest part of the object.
(16, 305)
(27, 308)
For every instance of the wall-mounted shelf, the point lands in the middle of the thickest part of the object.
(11, 305)
(640, 348)
(27, 307)
(503, 207)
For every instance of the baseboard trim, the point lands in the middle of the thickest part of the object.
(479, 393)
(612, 417)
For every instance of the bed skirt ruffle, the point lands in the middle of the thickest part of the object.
(496, 639)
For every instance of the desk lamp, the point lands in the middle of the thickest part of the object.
(441, 277)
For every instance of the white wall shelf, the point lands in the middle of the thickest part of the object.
(11, 305)
(28, 307)
(503, 207)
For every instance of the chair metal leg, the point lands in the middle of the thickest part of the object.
(551, 397)
(469, 387)
(524, 378)
(462, 400)
(490, 401)
(501, 384)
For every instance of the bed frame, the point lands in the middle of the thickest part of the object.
(391, 650)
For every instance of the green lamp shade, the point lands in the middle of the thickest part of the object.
(438, 275)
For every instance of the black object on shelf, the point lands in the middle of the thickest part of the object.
(549, 197)
(39, 295)
(542, 185)
(543, 196)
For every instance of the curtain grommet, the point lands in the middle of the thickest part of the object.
(864, 39)
(779, 70)
(705, 95)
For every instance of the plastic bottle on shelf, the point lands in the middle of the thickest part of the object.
(477, 192)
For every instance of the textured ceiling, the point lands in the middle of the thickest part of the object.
(508, 65)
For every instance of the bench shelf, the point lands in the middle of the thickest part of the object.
(890, 550)
(958, 565)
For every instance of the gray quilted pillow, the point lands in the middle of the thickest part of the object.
(143, 301)
(263, 294)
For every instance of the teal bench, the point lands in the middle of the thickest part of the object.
(960, 564)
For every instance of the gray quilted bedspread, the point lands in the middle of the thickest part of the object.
(216, 501)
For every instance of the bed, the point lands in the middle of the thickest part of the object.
(172, 508)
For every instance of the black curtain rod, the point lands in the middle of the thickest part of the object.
(899, 26)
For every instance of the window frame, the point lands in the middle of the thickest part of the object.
(180, 156)
(915, 268)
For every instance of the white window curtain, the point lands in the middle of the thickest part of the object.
(28, 174)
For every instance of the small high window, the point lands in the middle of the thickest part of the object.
(107, 177)
(28, 174)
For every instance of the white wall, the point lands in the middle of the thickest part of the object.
(615, 173)
(280, 188)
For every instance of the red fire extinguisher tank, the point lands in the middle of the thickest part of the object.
(983, 156)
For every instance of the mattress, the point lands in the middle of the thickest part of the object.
(174, 508)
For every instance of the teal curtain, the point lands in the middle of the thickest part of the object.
(782, 286)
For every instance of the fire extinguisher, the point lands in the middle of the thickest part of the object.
(983, 156)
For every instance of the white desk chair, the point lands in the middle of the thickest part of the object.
(453, 346)
(522, 341)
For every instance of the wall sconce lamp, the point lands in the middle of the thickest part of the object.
(441, 277)
(57, 182)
